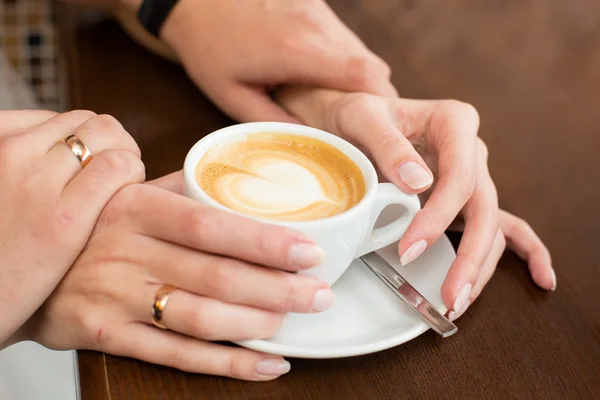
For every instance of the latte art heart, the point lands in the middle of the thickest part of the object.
(281, 177)
(271, 186)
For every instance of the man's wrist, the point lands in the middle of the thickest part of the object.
(169, 28)
(175, 25)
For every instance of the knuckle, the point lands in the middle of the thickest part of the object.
(366, 103)
(121, 163)
(271, 325)
(297, 45)
(113, 161)
(289, 300)
(112, 131)
(75, 119)
(80, 115)
(385, 68)
(264, 243)
(352, 107)
(203, 221)
(121, 205)
(93, 326)
(62, 222)
(127, 197)
(308, 15)
(105, 122)
(390, 143)
(269, 240)
(135, 193)
(56, 227)
(202, 324)
(361, 69)
(182, 359)
(467, 111)
(223, 279)
(235, 367)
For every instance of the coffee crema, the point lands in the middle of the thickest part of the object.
(280, 176)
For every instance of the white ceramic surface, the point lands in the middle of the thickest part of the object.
(29, 371)
(366, 317)
(343, 237)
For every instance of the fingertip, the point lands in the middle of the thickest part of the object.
(304, 255)
(424, 226)
(457, 299)
(413, 252)
(544, 276)
(541, 270)
(447, 296)
(272, 368)
(415, 176)
(553, 280)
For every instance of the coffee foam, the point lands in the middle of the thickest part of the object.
(281, 176)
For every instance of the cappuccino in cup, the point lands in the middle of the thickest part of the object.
(301, 178)
(279, 176)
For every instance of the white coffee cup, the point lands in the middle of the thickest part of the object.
(343, 237)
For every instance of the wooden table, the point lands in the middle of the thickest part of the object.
(532, 68)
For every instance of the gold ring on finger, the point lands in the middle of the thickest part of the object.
(78, 149)
(160, 302)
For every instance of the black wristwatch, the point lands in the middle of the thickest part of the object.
(153, 13)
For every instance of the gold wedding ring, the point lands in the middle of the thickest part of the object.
(160, 302)
(79, 149)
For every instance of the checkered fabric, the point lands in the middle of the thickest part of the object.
(28, 40)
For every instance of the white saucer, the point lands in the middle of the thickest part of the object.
(366, 317)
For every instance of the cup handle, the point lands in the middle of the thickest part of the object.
(388, 194)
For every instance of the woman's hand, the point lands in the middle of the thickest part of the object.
(234, 280)
(238, 51)
(49, 204)
(413, 141)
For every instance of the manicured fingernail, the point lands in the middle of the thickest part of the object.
(323, 300)
(414, 175)
(273, 367)
(306, 255)
(453, 315)
(414, 251)
(553, 279)
(462, 302)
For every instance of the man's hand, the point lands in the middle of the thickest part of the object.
(238, 51)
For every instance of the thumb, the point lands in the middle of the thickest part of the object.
(368, 122)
